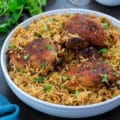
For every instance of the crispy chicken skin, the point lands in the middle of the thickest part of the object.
(76, 43)
(15, 59)
(90, 74)
(37, 52)
(88, 29)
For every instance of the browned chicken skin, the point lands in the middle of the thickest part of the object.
(76, 43)
(88, 29)
(90, 74)
(36, 52)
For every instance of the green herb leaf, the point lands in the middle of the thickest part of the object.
(21, 70)
(43, 2)
(26, 57)
(3, 7)
(49, 47)
(35, 6)
(21, 2)
(76, 93)
(39, 79)
(103, 50)
(46, 28)
(43, 65)
(105, 78)
(104, 25)
(13, 5)
(48, 87)
(11, 45)
(3, 28)
(65, 77)
(13, 10)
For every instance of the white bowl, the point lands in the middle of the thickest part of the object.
(109, 2)
(55, 109)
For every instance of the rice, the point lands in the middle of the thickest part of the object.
(52, 89)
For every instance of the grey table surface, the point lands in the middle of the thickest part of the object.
(28, 113)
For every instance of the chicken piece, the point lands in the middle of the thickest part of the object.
(15, 59)
(88, 29)
(37, 52)
(89, 53)
(91, 74)
(41, 51)
(76, 43)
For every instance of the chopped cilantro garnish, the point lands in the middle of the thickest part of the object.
(39, 79)
(46, 28)
(104, 25)
(65, 77)
(11, 45)
(48, 87)
(105, 78)
(76, 93)
(26, 57)
(43, 65)
(49, 47)
(103, 50)
(21, 70)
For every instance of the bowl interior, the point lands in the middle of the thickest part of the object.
(4, 60)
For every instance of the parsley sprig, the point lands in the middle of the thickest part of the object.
(12, 10)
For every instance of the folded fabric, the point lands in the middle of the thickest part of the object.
(8, 111)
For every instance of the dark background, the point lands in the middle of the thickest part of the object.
(28, 113)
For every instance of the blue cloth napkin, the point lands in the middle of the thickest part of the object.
(8, 111)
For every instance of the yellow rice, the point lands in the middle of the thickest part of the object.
(52, 28)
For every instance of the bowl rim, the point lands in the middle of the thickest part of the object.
(9, 80)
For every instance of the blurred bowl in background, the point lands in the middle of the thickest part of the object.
(79, 2)
(109, 2)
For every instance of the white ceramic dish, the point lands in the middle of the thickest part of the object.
(54, 109)
(109, 2)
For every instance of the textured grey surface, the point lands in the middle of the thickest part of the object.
(26, 112)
